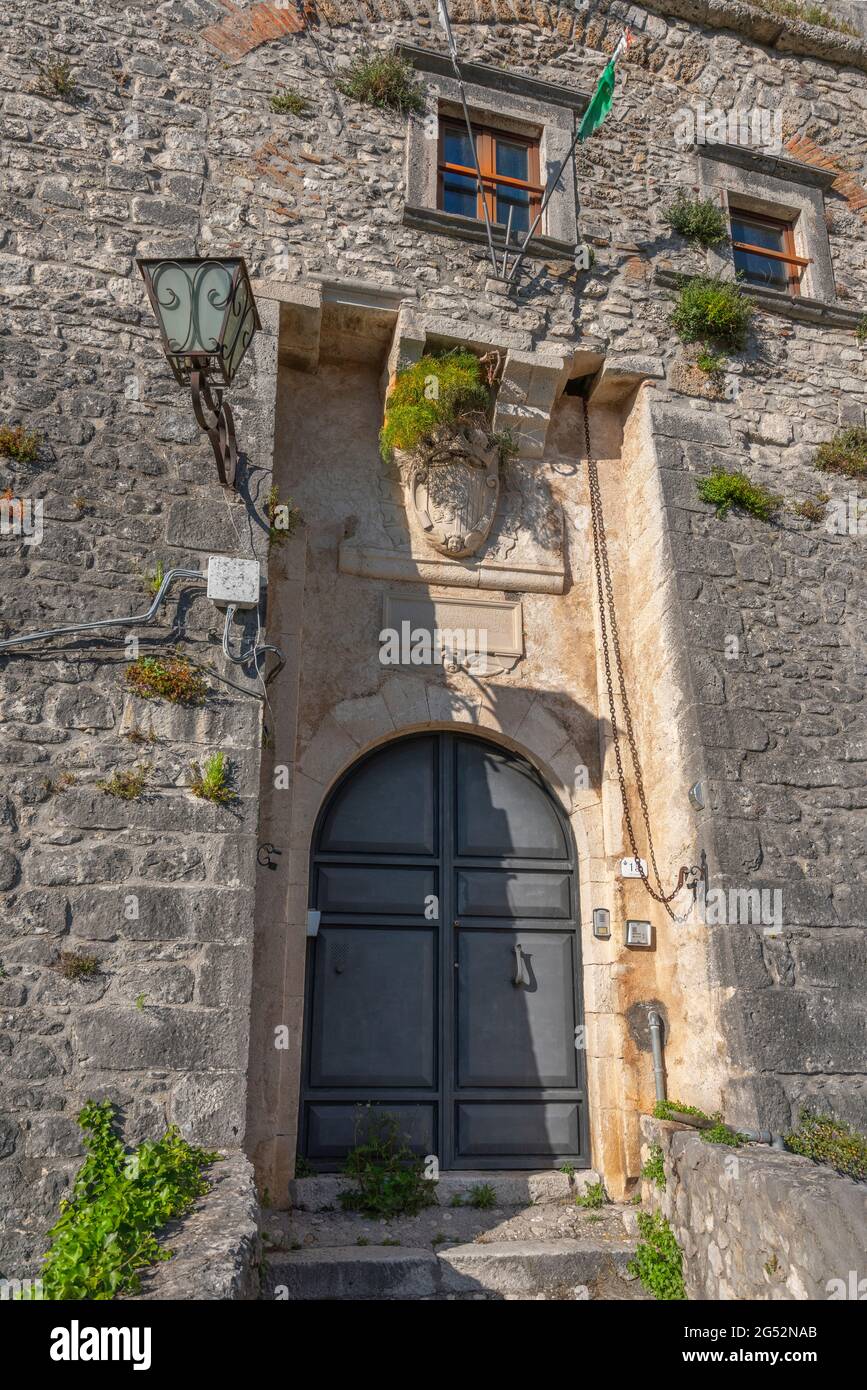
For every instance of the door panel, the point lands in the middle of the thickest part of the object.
(499, 893)
(523, 1035)
(502, 808)
(436, 857)
(515, 1129)
(334, 1127)
(373, 1007)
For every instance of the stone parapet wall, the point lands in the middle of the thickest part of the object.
(756, 1223)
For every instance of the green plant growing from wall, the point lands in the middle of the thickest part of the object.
(283, 518)
(213, 781)
(711, 363)
(698, 220)
(593, 1197)
(812, 508)
(76, 965)
(861, 331)
(389, 1176)
(55, 78)
(288, 102)
(106, 1232)
(385, 80)
(725, 490)
(673, 1109)
(19, 444)
(172, 679)
(435, 393)
(128, 784)
(658, 1260)
(833, 1142)
(713, 312)
(846, 453)
(153, 582)
(721, 1134)
(654, 1167)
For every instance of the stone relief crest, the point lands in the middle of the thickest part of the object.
(452, 487)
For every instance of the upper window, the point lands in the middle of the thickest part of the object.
(508, 164)
(764, 251)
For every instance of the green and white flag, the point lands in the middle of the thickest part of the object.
(603, 97)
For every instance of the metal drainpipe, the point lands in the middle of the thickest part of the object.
(655, 1021)
(755, 1136)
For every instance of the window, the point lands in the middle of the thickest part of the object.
(764, 251)
(508, 164)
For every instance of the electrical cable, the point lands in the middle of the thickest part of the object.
(138, 619)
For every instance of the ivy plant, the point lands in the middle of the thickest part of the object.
(107, 1230)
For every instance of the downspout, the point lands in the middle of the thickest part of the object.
(655, 1021)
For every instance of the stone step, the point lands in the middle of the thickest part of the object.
(554, 1269)
(511, 1189)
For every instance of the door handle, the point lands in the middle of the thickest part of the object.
(522, 974)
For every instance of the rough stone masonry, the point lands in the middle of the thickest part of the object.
(168, 146)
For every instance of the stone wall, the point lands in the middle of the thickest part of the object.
(170, 147)
(755, 1223)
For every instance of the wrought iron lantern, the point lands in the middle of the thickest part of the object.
(207, 317)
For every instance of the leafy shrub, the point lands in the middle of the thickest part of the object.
(593, 1197)
(390, 1176)
(721, 1134)
(76, 965)
(434, 392)
(212, 782)
(106, 1230)
(654, 1167)
(698, 220)
(19, 444)
(127, 785)
(174, 680)
(658, 1261)
(846, 453)
(288, 102)
(726, 490)
(384, 80)
(713, 311)
(826, 1140)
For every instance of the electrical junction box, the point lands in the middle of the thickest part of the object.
(639, 934)
(233, 581)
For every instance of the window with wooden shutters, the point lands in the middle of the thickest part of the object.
(509, 167)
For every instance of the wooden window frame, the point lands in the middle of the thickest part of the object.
(486, 148)
(789, 255)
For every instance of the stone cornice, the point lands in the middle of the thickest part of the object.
(247, 27)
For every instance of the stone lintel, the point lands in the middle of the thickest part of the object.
(373, 562)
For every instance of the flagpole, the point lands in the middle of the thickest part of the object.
(622, 44)
(445, 22)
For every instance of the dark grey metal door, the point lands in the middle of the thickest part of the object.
(444, 981)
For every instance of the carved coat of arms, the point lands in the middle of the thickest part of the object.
(452, 487)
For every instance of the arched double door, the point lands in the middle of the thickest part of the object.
(444, 979)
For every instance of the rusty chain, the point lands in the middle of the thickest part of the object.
(605, 594)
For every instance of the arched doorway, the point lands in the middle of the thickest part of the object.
(443, 982)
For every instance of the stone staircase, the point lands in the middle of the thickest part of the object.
(533, 1243)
